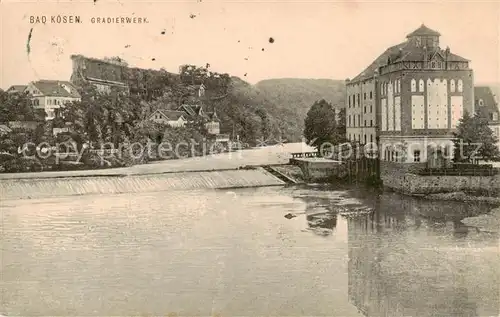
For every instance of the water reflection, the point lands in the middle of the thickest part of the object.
(416, 258)
(409, 256)
(321, 214)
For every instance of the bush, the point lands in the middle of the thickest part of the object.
(23, 164)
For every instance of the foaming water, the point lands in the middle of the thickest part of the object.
(232, 252)
(37, 188)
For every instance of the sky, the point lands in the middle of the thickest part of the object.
(312, 39)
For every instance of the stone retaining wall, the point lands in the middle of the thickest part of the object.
(400, 177)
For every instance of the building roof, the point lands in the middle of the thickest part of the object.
(19, 88)
(191, 110)
(408, 52)
(212, 116)
(423, 31)
(170, 114)
(378, 62)
(485, 103)
(56, 88)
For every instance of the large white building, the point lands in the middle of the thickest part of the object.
(51, 95)
(412, 97)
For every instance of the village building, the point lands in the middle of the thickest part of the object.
(412, 95)
(16, 89)
(193, 112)
(486, 104)
(169, 117)
(51, 95)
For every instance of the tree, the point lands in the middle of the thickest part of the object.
(473, 138)
(321, 126)
(16, 107)
(341, 125)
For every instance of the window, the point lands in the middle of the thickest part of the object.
(433, 64)
(460, 85)
(364, 96)
(365, 139)
(413, 85)
(359, 137)
(349, 121)
(359, 119)
(452, 85)
(421, 85)
(495, 116)
(365, 123)
(371, 123)
(371, 138)
(481, 102)
(359, 102)
(416, 156)
(365, 109)
(371, 95)
(349, 101)
(371, 108)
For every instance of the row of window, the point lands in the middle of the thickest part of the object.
(352, 99)
(395, 156)
(54, 102)
(395, 88)
(366, 139)
(352, 124)
(458, 87)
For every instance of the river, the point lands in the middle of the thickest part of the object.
(232, 252)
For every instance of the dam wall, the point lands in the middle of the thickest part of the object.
(41, 188)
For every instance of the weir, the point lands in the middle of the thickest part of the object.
(41, 188)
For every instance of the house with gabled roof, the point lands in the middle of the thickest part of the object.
(51, 95)
(16, 88)
(212, 122)
(172, 118)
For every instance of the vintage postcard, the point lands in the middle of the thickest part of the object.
(249, 158)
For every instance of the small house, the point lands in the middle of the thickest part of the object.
(169, 117)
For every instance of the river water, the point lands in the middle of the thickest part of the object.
(232, 252)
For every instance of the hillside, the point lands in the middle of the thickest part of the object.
(295, 96)
(250, 114)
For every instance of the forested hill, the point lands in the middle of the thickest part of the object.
(295, 95)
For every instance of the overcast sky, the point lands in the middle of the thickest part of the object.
(312, 39)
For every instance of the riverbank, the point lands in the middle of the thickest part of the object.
(270, 155)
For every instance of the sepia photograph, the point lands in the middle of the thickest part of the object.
(250, 158)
